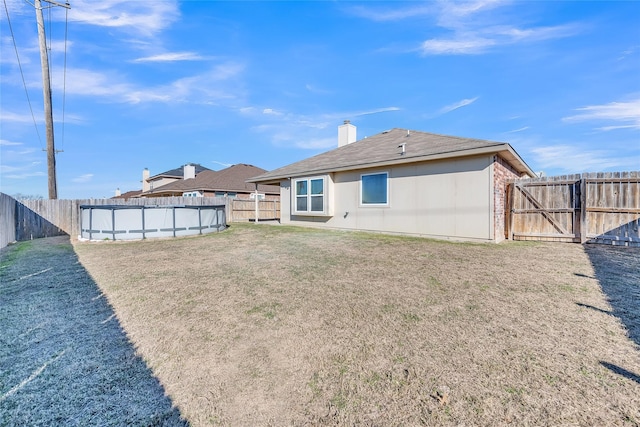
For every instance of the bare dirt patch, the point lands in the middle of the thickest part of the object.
(271, 325)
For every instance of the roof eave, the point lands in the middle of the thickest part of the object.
(507, 152)
(515, 160)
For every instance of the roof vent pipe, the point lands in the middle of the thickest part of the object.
(346, 133)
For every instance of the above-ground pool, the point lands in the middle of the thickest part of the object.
(118, 222)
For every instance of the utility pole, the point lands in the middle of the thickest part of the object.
(46, 91)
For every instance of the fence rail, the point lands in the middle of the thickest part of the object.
(245, 210)
(592, 207)
(31, 219)
(67, 216)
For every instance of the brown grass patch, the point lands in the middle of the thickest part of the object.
(271, 325)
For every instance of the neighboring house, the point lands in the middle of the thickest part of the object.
(187, 171)
(127, 195)
(229, 182)
(402, 181)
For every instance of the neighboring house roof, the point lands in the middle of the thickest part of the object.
(384, 149)
(179, 172)
(128, 194)
(232, 179)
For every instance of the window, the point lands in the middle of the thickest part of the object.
(192, 194)
(310, 195)
(231, 195)
(374, 189)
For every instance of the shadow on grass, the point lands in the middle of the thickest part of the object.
(617, 269)
(64, 358)
(593, 308)
(621, 371)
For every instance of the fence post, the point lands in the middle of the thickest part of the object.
(583, 209)
(257, 208)
(511, 192)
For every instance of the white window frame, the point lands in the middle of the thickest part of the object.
(309, 196)
(192, 194)
(362, 204)
(229, 194)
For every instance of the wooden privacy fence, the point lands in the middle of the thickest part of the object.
(65, 214)
(245, 210)
(593, 207)
(31, 219)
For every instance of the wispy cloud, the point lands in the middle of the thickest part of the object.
(472, 31)
(313, 132)
(627, 113)
(8, 116)
(226, 165)
(574, 159)
(391, 14)
(468, 44)
(466, 26)
(5, 143)
(469, 41)
(458, 9)
(18, 167)
(209, 87)
(271, 112)
(316, 90)
(143, 17)
(376, 111)
(628, 52)
(83, 178)
(522, 129)
(171, 57)
(456, 105)
(24, 175)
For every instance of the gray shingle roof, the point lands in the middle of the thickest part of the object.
(231, 179)
(384, 149)
(179, 172)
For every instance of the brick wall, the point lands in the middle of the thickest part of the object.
(502, 172)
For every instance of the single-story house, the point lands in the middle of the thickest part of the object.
(230, 182)
(402, 181)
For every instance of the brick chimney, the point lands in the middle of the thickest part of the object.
(346, 133)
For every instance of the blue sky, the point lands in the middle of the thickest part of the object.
(158, 84)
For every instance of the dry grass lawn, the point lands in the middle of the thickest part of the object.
(270, 325)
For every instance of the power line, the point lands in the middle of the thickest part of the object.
(24, 83)
(64, 73)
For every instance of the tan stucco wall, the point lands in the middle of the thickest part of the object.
(444, 199)
(157, 183)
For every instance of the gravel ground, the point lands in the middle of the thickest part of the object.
(64, 358)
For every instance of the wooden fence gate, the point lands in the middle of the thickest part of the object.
(245, 210)
(593, 207)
